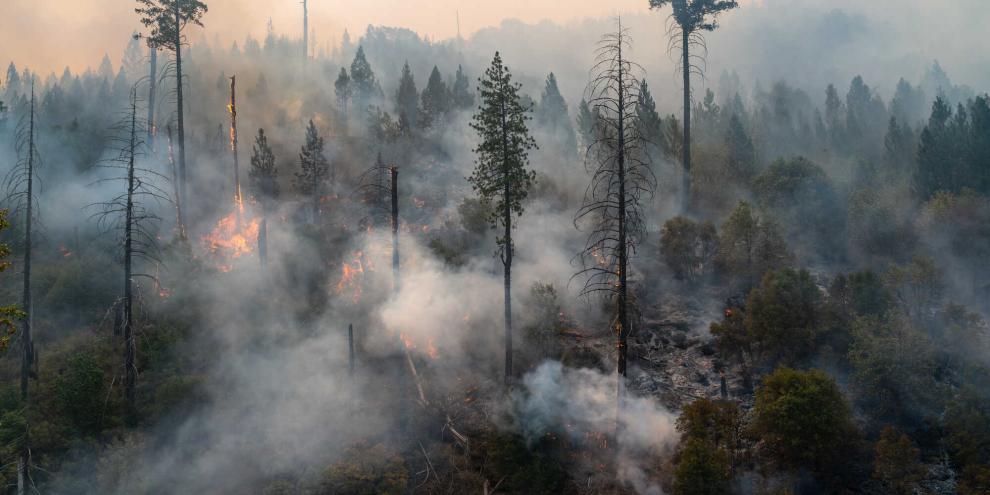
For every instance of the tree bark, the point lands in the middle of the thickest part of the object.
(27, 341)
(394, 171)
(152, 87)
(129, 369)
(238, 203)
(507, 254)
(686, 61)
(180, 121)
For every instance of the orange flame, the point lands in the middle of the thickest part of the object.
(351, 276)
(229, 241)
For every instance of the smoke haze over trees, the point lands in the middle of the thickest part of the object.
(815, 322)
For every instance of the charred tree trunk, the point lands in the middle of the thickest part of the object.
(686, 68)
(238, 203)
(27, 341)
(152, 87)
(622, 295)
(180, 121)
(130, 371)
(176, 187)
(263, 238)
(394, 171)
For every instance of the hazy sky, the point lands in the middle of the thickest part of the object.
(52, 34)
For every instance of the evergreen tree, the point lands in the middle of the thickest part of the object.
(263, 187)
(693, 17)
(649, 120)
(363, 78)
(436, 100)
(13, 81)
(133, 64)
(741, 155)
(407, 97)
(342, 88)
(552, 114)
(461, 95)
(586, 122)
(106, 68)
(834, 117)
(314, 175)
(501, 177)
(167, 19)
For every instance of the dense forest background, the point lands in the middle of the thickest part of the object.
(813, 320)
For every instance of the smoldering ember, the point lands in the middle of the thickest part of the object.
(688, 247)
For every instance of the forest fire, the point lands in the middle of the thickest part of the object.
(351, 273)
(431, 350)
(231, 239)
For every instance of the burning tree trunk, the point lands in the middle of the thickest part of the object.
(175, 185)
(620, 177)
(238, 203)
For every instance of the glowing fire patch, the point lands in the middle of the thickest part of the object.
(351, 274)
(231, 240)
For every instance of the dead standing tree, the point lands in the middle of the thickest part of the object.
(21, 197)
(128, 215)
(620, 180)
(232, 108)
(690, 18)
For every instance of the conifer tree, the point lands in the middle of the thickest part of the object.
(552, 114)
(435, 99)
(501, 177)
(691, 18)
(363, 79)
(407, 97)
(167, 20)
(344, 91)
(314, 175)
(461, 90)
(263, 187)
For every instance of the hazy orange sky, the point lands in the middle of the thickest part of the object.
(51, 34)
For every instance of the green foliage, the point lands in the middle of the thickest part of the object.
(314, 175)
(461, 95)
(7, 313)
(783, 316)
(954, 149)
(407, 96)
(702, 470)
(264, 171)
(366, 470)
(696, 15)
(741, 153)
(894, 367)
(436, 100)
(967, 422)
(917, 286)
(80, 393)
(525, 469)
(500, 177)
(542, 322)
(749, 246)
(897, 461)
(803, 422)
(166, 24)
(688, 247)
(363, 78)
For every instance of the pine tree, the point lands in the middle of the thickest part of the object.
(741, 156)
(314, 175)
(343, 90)
(461, 90)
(133, 63)
(501, 177)
(649, 121)
(552, 114)
(435, 99)
(586, 122)
(263, 187)
(363, 79)
(692, 17)
(167, 19)
(407, 97)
